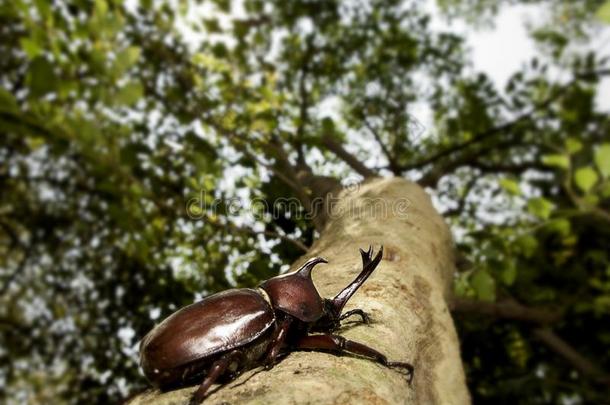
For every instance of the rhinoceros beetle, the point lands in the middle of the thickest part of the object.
(215, 339)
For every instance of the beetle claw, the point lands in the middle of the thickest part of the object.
(406, 366)
(366, 319)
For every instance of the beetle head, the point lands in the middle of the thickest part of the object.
(334, 307)
(295, 294)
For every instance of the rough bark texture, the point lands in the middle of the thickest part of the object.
(406, 297)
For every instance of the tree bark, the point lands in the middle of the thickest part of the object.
(406, 298)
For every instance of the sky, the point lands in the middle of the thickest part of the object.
(502, 50)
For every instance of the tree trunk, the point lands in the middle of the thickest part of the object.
(406, 298)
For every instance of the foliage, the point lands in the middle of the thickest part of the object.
(134, 135)
(573, 16)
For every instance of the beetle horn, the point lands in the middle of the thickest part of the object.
(368, 266)
(305, 270)
(367, 256)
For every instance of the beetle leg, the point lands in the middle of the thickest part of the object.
(215, 371)
(277, 343)
(339, 345)
(365, 317)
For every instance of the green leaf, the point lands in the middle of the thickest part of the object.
(573, 145)
(484, 285)
(35, 142)
(41, 77)
(210, 62)
(30, 47)
(223, 5)
(561, 161)
(7, 101)
(562, 226)
(509, 274)
(511, 186)
(132, 54)
(261, 125)
(200, 145)
(527, 245)
(125, 60)
(591, 199)
(44, 8)
(130, 93)
(603, 13)
(602, 159)
(461, 286)
(128, 155)
(101, 7)
(605, 189)
(328, 126)
(585, 178)
(212, 25)
(540, 207)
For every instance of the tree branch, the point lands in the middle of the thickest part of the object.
(456, 148)
(511, 309)
(12, 234)
(283, 169)
(304, 101)
(491, 168)
(443, 154)
(295, 242)
(431, 178)
(336, 148)
(393, 166)
(462, 201)
(515, 168)
(571, 355)
(508, 309)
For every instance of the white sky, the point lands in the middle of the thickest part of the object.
(502, 50)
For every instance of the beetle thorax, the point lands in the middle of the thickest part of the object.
(296, 295)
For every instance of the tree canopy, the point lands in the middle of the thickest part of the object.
(136, 137)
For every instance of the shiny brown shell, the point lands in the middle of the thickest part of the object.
(218, 323)
(295, 294)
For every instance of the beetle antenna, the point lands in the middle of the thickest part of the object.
(368, 266)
